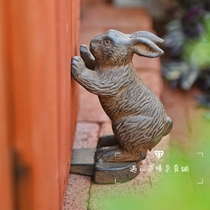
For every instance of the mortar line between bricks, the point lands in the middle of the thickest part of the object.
(91, 183)
(189, 128)
(150, 181)
(189, 131)
(89, 193)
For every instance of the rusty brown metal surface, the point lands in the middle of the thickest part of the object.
(138, 118)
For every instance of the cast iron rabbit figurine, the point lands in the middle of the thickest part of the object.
(139, 120)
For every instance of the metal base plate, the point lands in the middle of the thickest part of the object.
(103, 173)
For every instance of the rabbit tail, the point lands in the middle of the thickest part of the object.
(168, 126)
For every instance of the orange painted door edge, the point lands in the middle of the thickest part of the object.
(36, 85)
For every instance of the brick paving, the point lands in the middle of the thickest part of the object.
(92, 123)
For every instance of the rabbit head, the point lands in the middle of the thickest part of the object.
(114, 48)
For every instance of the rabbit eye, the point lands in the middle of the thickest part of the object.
(106, 42)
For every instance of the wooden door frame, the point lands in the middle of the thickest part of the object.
(38, 101)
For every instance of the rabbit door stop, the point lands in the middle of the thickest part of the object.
(138, 118)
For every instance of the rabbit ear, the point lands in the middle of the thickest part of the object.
(145, 47)
(148, 35)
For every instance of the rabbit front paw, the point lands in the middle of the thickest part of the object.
(77, 66)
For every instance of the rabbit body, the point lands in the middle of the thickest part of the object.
(139, 120)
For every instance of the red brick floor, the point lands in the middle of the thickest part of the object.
(92, 121)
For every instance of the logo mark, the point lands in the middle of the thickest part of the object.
(159, 153)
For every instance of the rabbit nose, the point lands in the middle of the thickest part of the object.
(93, 45)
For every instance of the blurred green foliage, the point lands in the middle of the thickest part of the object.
(197, 51)
(176, 191)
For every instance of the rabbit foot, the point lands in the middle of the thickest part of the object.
(107, 141)
(77, 66)
(114, 154)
